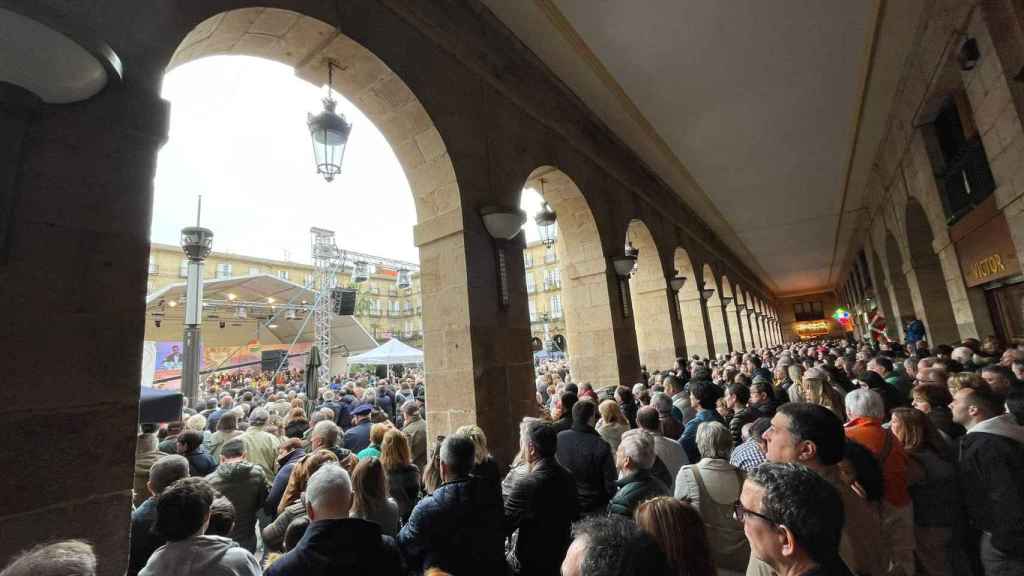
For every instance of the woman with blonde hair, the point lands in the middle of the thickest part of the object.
(815, 388)
(612, 423)
(403, 476)
(679, 531)
(486, 466)
(377, 432)
(432, 471)
(370, 500)
(273, 534)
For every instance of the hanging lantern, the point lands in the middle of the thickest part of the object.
(545, 221)
(329, 131)
(404, 279)
(633, 253)
(362, 272)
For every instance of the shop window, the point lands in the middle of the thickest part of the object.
(804, 311)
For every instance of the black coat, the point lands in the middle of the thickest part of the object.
(357, 437)
(350, 546)
(589, 459)
(458, 528)
(404, 487)
(634, 489)
(542, 505)
(991, 468)
(200, 463)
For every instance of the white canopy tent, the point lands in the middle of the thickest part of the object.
(392, 352)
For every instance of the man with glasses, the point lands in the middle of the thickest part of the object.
(793, 520)
(813, 436)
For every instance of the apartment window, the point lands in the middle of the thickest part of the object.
(961, 167)
(808, 311)
(533, 311)
(549, 255)
(556, 306)
(282, 274)
(527, 259)
(254, 270)
(309, 281)
(531, 286)
(223, 270)
(183, 268)
(152, 264)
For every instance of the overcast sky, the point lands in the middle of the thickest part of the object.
(238, 136)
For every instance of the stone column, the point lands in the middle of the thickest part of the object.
(735, 333)
(18, 109)
(77, 258)
(744, 337)
(653, 319)
(719, 329)
(692, 311)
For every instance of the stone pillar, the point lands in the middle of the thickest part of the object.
(77, 257)
(18, 109)
(692, 311)
(719, 329)
(745, 342)
(653, 319)
(735, 332)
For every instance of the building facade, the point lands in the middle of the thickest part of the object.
(544, 288)
(383, 309)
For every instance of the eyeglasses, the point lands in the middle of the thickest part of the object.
(740, 513)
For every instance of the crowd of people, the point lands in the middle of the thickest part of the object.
(815, 458)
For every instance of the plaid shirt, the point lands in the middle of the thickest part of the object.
(747, 456)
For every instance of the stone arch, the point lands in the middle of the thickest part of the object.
(307, 44)
(651, 300)
(716, 316)
(903, 305)
(935, 306)
(881, 293)
(587, 304)
(731, 295)
(691, 307)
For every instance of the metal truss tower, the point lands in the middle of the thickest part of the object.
(327, 261)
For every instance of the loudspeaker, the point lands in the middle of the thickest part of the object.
(271, 359)
(343, 301)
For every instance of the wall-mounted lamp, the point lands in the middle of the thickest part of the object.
(676, 283)
(969, 54)
(741, 307)
(726, 300)
(623, 270)
(503, 224)
(706, 293)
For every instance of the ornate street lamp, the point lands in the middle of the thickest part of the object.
(196, 242)
(404, 279)
(329, 131)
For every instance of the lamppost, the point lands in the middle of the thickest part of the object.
(197, 242)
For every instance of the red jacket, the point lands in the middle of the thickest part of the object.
(869, 432)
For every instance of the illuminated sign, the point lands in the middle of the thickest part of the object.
(812, 329)
(842, 316)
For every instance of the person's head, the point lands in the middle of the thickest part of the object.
(411, 410)
(611, 413)
(928, 397)
(862, 471)
(757, 429)
(760, 391)
(325, 435)
(704, 395)
(166, 471)
(227, 402)
(737, 396)
(865, 403)
(183, 509)
(232, 451)
(714, 440)
(329, 493)
(972, 406)
(565, 403)
(679, 531)
(369, 485)
(189, 441)
(998, 378)
(377, 432)
(222, 517)
(584, 412)
(673, 384)
(962, 354)
(648, 419)
(612, 546)
(228, 422)
(636, 452)
(394, 450)
(65, 558)
(458, 456)
(624, 395)
(806, 433)
(915, 430)
(790, 515)
(542, 442)
(880, 365)
(294, 532)
(1015, 401)
(259, 417)
(476, 434)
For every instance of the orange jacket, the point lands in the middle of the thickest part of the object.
(869, 432)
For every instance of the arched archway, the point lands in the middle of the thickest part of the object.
(730, 302)
(651, 299)
(903, 304)
(691, 309)
(307, 44)
(716, 315)
(587, 304)
(937, 309)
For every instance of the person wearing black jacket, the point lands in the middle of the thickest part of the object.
(542, 506)
(589, 459)
(334, 543)
(991, 466)
(565, 403)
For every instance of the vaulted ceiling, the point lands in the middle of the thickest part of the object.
(765, 117)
